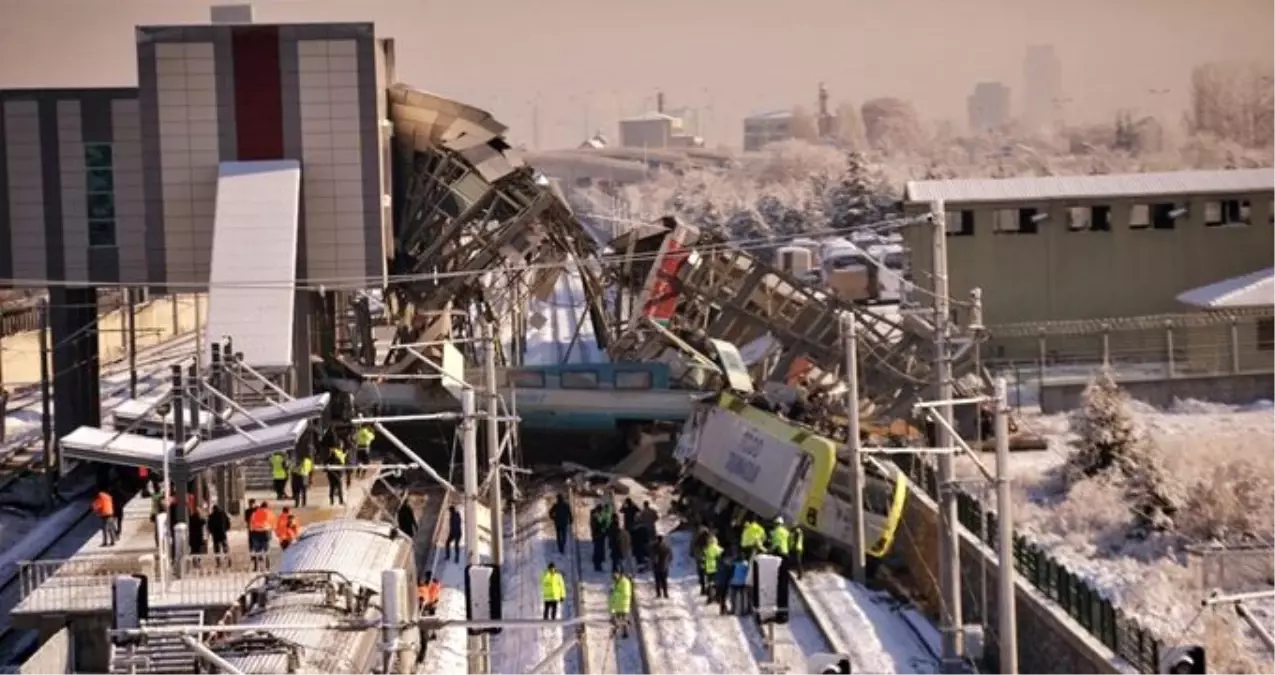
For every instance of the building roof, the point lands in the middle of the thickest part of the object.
(772, 115)
(1256, 289)
(1091, 187)
(650, 117)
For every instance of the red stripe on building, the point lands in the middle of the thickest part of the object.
(258, 93)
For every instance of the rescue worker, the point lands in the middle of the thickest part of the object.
(621, 548)
(197, 524)
(661, 560)
(406, 519)
(279, 474)
(620, 603)
(753, 537)
(260, 523)
(363, 437)
(560, 512)
(104, 507)
(721, 581)
(779, 538)
(301, 481)
(710, 557)
(427, 594)
(219, 531)
(798, 547)
(247, 514)
(740, 571)
(553, 589)
(451, 549)
(287, 529)
(629, 512)
(336, 458)
(645, 533)
(698, 542)
(598, 536)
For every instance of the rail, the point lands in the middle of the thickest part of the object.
(577, 569)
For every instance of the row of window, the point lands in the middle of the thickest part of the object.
(582, 379)
(99, 162)
(1158, 216)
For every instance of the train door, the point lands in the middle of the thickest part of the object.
(794, 499)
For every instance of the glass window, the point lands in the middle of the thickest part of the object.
(1079, 218)
(527, 379)
(97, 156)
(101, 206)
(579, 380)
(101, 233)
(1212, 213)
(1139, 217)
(632, 379)
(101, 180)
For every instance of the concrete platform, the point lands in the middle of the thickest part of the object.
(54, 591)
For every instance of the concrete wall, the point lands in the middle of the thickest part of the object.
(1233, 389)
(154, 324)
(54, 656)
(1049, 641)
(1059, 273)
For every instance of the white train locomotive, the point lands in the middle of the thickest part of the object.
(770, 467)
(331, 573)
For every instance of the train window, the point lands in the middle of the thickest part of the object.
(585, 379)
(633, 379)
(527, 379)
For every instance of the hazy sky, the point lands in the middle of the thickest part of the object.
(587, 62)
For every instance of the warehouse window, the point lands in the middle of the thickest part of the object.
(1079, 219)
(1164, 215)
(1139, 217)
(960, 223)
(1100, 218)
(1266, 335)
(1029, 220)
(1005, 221)
(100, 188)
(1237, 212)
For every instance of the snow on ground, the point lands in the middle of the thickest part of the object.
(1086, 529)
(530, 552)
(685, 633)
(448, 652)
(607, 654)
(1024, 379)
(562, 314)
(868, 625)
(794, 642)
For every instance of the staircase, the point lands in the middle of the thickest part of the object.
(164, 654)
(256, 475)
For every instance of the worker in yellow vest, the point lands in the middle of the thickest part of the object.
(752, 538)
(363, 437)
(710, 558)
(336, 459)
(620, 602)
(554, 590)
(779, 537)
(301, 481)
(798, 548)
(279, 474)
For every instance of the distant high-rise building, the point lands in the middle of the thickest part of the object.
(988, 106)
(1042, 86)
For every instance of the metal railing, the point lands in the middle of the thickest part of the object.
(84, 583)
(1084, 603)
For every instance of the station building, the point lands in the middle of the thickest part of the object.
(247, 154)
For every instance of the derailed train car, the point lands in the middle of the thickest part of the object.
(330, 574)
(771, 467)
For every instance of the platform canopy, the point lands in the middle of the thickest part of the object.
(92, 444)
(132, 414)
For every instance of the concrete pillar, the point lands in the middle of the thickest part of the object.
(75, 369)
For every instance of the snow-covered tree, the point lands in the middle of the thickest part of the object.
(1111, 445)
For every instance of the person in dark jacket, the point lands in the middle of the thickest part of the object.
(621, 548)
(629, 511)
(643, 533)
(697, 548)
(560, 512)
(721, 584)
(598, 535)
(219, 531)
(198, 526)
(452, 547)
(406, 519)
(661, 560)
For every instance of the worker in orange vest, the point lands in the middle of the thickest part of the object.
(259, 527)
(287, 529)
(427, 594)
(104, 507)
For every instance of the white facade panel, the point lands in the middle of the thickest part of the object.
(254, 259)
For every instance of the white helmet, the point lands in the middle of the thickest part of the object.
(779, 520)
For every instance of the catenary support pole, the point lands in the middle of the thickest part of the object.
(493, 449)
(1007, 626)
(949, 522)
(469, 457)
(130, 295)
(177, 477)
(46, 398)
(850, 338)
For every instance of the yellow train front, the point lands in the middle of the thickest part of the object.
(770, 467)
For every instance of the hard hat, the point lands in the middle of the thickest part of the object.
(779, 520)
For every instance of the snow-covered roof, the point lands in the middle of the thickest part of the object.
(650, 117)
(772, 115)
(967, 190)
(1256, 289)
